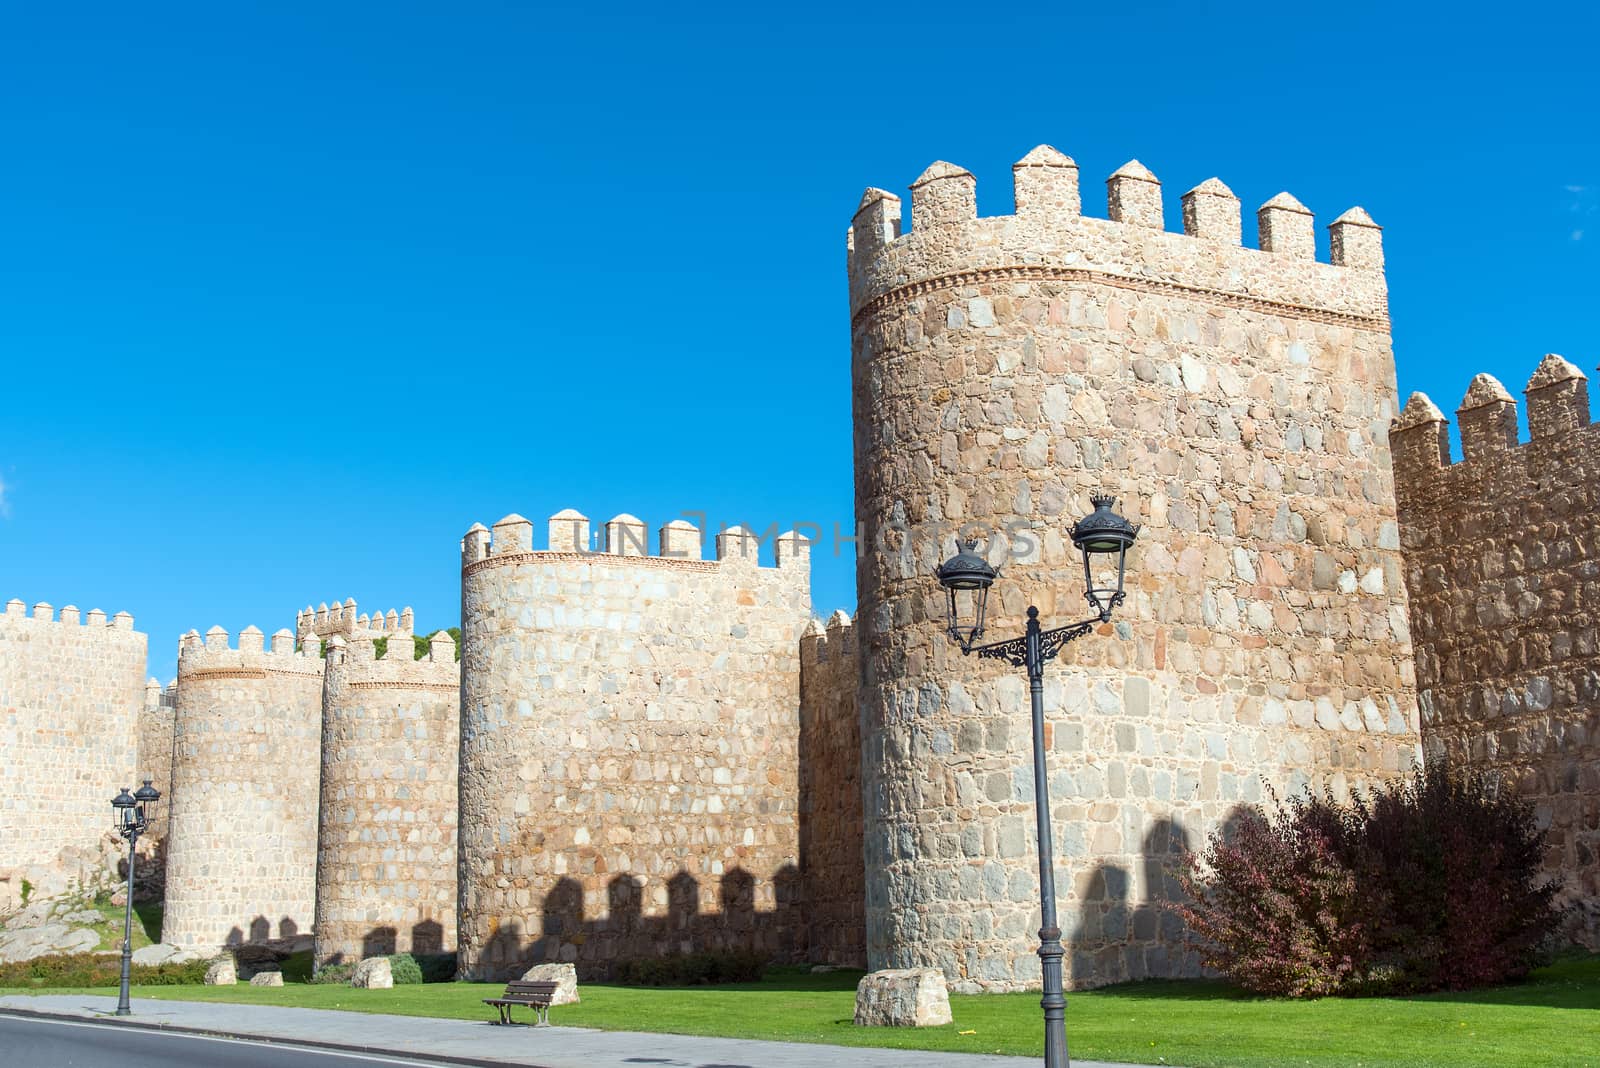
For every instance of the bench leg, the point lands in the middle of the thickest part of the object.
(544, 1016)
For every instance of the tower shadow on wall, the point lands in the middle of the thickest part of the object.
(1117, 941)
(596, 946)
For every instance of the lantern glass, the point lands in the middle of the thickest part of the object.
(966, 578)
(124, 804)
(1103, 537)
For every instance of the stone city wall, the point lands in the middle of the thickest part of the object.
(830, 795)
(155, 749)
(629, 745)
(386, 857)
(1502, 555)
(1237, 401)
(242, 842)
(323, 622)
(70, 694)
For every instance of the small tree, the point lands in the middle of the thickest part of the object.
(1276, 906)
(1430, 882)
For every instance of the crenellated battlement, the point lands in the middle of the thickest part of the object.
(44, 613)
(834, 640)
(345, 621)
(1558, 417)
(1048, 236)
(218, 651)
(397, 655)
(680, 544)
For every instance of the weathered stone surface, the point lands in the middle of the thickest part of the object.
(164, 953)
(268, 979)
(1237, 401)
(386, 844)
(629, 750)
(902, 997)
(373, 973)
(830, 794)
(70, 694)
(1500, 554)
(241, 859)
(46, 940)
(222, 972)
(565, 976)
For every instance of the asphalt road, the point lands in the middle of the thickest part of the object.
(34, 1043)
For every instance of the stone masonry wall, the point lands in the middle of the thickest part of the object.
(155, 750)
(1502, 556)
(386, 856)
(1237, 401)
(242, 842)
(70, 693)
(832, 876)
(629, 738)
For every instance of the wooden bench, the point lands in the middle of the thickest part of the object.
(537, 996)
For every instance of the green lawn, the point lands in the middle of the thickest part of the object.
(1552, 1020)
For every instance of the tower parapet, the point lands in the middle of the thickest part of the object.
(386, 852)
(323, 622)
(1499, 562)
(629, 744)
(71, 691)
(242, 842)
(1236, 399)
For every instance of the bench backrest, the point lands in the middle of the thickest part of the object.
(518, 988)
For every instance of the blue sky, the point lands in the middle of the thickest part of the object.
(291, 294)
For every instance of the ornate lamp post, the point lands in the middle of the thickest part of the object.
(1103, 537)
(133, 819)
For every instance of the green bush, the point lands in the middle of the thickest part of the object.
(694, 969)
(436, 967)
(405, 969)
(334, 973)
(94, 969)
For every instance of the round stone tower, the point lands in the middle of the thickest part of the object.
(242, 833)
(386, 856)
(1237, 401)
(629, 741)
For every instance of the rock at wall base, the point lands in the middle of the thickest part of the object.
(163, 953)
(565, 976)
(903, 997)
(373, 973)
(222, 972)
(46, 940)
(269, 978)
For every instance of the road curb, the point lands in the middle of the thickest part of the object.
(308, 1043)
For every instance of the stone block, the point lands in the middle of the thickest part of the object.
(903, 997)
(565, 976)
(373, 973)
(223, 972)
(267, 979)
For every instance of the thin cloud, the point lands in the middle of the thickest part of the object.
(1577, 235)
(5, 502)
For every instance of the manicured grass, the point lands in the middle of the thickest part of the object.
(1553, 1020)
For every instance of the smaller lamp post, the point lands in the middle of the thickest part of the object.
(1103, 537)
(134, 812)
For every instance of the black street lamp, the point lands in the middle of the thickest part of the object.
(1103, 537)
(134, 812)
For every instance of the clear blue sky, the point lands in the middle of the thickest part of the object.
(291, 293)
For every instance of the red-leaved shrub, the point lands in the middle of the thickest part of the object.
(1430, 882)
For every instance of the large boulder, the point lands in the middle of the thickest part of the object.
(373, 973)
(223, 972)
(46, 940)
(903, 997)
(267, 979)
(565, 976)
(162, 953)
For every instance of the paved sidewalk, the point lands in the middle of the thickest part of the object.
(466, 1041)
